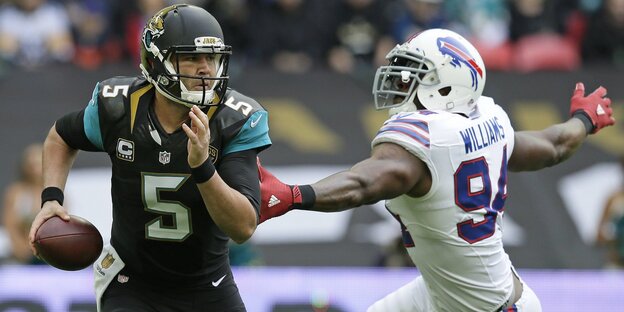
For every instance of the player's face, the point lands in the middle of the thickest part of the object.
(402, 86)
(198, 65)
(399, 85)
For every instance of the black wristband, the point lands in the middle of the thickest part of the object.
(308, 197)
(203, 172)
(584, 117)
(52, 193)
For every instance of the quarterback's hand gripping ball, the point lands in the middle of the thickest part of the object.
(68, 245)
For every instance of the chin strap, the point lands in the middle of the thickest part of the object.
(408, 106)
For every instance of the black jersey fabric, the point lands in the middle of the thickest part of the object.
(161, 227)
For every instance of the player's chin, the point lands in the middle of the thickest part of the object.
(201, 88)
(398, 99)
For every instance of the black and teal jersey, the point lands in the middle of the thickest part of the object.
(161, 227)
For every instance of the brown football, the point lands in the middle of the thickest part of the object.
(68, 245)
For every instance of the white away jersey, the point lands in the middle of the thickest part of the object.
(453, 233)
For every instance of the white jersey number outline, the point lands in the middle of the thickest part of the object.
(467, 171)
(153, 184)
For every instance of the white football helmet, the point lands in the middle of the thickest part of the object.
(439, 67)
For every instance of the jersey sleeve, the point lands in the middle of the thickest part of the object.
(240, 171)
(71, 129)
(88, 128)
(254, 134)
(92, 121)
(411, 131)
(81, 130)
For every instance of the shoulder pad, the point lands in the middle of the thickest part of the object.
(113, 95)
(420, 115)
(244, 105)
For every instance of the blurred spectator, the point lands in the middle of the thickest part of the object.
(91, 28)
(361, 37)
(291, 35)
(34, 32)
(604, 38)
(611, 226)
(233, 15)
(134, 20)
(538, 29)
(486, 24)
(529, 17)
(486, 21)
(418, 15)
(22, 202)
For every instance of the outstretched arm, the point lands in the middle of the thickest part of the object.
(389, 172)
(534, 150)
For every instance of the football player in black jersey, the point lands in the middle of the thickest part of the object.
(183, 148)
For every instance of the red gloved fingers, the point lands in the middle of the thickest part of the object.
(579, 90)
(601, 92)
(596, 106)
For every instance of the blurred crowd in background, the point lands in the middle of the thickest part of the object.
(347, 36)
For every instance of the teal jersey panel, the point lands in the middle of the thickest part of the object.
(253, 134)
(92, 121)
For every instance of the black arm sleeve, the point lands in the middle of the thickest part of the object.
(71, 129)
(240, 171)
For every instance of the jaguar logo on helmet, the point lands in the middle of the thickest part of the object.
(156, 24)
(460, 55)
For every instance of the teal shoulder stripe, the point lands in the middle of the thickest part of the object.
(253, 134)
(92, 120)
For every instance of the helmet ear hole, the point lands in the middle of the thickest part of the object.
(445, 91)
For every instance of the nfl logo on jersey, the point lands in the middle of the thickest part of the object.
(164, 157)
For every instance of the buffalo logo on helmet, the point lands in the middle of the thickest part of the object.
(460, 55)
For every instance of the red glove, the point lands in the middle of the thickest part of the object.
(277, 198)
(594, 109)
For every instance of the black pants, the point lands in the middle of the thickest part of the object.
(138, 296)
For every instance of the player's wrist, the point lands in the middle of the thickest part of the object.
(203, 172)
(52, 193)
(584, 117)
(304, 197)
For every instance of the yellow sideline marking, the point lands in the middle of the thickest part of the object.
(537, 115)
(534, 115)
(373, 119)
(292, 122)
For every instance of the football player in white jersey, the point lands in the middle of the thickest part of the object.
(441, 162)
